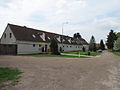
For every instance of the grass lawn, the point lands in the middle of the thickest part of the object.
(50, 55)
(117, 53)
(7, 74)
(83, 53)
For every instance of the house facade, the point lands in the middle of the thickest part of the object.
(32, 41)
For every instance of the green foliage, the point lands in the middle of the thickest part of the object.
(54, 46)
(77, 35)
(117, 53)
(110, 39)
(102, 45)
(118, 34)
(9, 74)
(92, 44)
(83, 49)
(117, 45)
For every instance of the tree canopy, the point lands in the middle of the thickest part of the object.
(92, 44)
(117, 45)
(118, 34)
(102, 45)
(110, 39)
(54, 46)
(77, 35)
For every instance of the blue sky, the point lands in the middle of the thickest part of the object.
(88, 17)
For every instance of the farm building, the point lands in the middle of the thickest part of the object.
(23, 40)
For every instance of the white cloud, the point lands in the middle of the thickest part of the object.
(50, 14)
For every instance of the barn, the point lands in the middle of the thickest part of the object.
(24, 40)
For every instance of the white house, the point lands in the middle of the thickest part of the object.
(32, 41)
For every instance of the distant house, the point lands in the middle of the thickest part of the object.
(31, 41)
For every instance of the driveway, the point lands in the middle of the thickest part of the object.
(43, 73)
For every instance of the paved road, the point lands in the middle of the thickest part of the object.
(97, 73)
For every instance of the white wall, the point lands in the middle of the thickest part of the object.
(8, 40)
(28, 48)
(68, 47)
(25, 47)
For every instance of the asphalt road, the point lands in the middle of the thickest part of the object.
(40, 73)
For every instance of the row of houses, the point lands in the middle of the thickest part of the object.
(23, 40)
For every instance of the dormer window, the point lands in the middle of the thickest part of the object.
(43, 36)
(5, 35)
(34, 36)
(10, 35)
(49, 38)
(33, 45)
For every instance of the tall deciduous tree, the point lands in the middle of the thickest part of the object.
(117, 45)
(54, 46)
(102, 45)
(110, 39)
(92, 44)
(118, 34)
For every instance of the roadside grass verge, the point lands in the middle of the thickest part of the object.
(51, 55)
(83, 53)
(9, 74)
(116, 53)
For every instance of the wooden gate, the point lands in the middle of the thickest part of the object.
(8, 49)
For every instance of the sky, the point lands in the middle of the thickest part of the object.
(88, 17)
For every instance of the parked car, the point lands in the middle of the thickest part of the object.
(99, 50)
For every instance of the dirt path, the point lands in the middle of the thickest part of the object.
(97, 73)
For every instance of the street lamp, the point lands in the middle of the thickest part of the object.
(62, 32)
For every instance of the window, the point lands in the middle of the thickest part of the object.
(34, 36)
(33, 45)
(10, 35)
(5, 35)
(49, 38)
(39, 45)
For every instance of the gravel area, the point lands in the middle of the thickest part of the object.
(44, 73)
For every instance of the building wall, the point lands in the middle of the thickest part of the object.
(68, 47)
(25, 47)
(8, 40)
(28, 48)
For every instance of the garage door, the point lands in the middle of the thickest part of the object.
(8, 49)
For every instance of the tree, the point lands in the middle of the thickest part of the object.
(83, 49)
(102, 45)
(110, 39)
(117, 45)
(92, 44)
(77, 35)
(54, 46)
(118, 34)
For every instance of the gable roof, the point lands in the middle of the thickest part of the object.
(23, 33)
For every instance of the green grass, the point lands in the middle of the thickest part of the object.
(50, 55)
(117, 53)
(7, 74)
(114, 52)
(83, 53)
